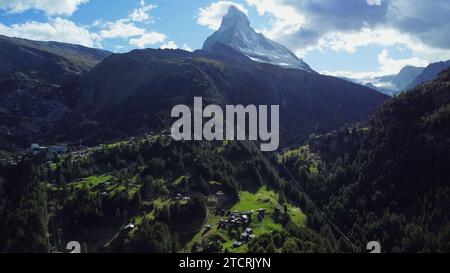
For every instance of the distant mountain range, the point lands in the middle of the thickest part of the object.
(54, 92)
(408, 78)
(403, 79)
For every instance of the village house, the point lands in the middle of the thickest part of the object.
(180, 196)
(236, 219)
(237, 244)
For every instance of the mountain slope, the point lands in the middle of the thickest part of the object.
(429, 73)
(50, 61)
(135, 92)
(235, 32)
(403, 79)
(32, 76)
(388, 182)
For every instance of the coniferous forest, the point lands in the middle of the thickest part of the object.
(385, 180)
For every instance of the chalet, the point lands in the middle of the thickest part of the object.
(245, 236)
(180, 196)
(237, 244)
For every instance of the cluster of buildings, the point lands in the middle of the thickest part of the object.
(180, 196)
(241, 219)
(236, 220)
(47, 152)
(36, 150)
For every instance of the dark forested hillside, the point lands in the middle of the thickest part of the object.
(389, 181)
(53, 92)
(33, 76)
(134, 92)
(152, 194)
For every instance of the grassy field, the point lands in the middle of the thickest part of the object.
(263, 198)
(93, 181)
(304, 154)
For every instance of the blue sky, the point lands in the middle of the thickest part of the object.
(354, 38)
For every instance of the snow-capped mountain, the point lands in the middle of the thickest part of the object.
(237, 33)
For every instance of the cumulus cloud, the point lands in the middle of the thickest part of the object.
(169, 45)
(304, 24)
(51, 7)
(119, 29)
(132, 28)
(336, 25)
(187, 47)
(148, 39)
(57, 29)
(427, 20)
(211, 16)
(388, 66)
(142, 14)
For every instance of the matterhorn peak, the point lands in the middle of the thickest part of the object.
(237, 33)
(235, 18)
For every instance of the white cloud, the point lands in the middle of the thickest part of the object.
(63, 30)
(60, 30)
(383, 36)
(351, 41)
(169, 45)
(336, 25)
(187, 47)
(211, 16)
(286, 18)
(147, 39)
(304, 25)
(51, 7)
(388, 66)
(142, 14)
(127, 28)
(120, 29)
